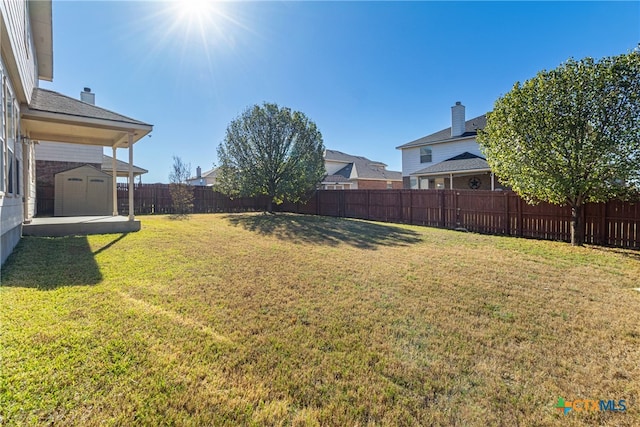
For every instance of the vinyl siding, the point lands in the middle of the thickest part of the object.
(333, 167)
(64, 152)
(439, 152)
(22, 48)
(10, 223)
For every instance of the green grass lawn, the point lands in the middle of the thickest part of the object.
(255, 319)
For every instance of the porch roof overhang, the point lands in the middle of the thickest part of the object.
(54, 117)
(464, 163)
(453, 172)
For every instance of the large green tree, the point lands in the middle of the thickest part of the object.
(271, 151)
(570, 135)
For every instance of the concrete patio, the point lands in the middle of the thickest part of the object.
(79, 225)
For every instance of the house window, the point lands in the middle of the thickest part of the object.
(389, 185)
(425, 155)
(413, 183)
(424, 183)
(439, 183)
(10, 131)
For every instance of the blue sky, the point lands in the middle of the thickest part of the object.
(371, 75)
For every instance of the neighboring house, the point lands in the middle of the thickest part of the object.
(29, 115)
(206, 179)
(450, 158)
(347, 172)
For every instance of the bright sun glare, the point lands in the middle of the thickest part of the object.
(193, 31)
(194, 10)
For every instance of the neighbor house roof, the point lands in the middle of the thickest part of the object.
(122, 168)
(471, 129)
(465, 162)
(53, 102)
(335, 179)
(339, 156)
(364, 168)
(211, 173)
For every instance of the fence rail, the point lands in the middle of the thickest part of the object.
(615, 223)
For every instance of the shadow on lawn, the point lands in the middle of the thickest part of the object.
(634, 254)
(47, 263)
(326, 230)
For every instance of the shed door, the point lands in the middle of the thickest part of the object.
(74, 196)
(97, 195)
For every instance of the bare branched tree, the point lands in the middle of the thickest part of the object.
(181, 191)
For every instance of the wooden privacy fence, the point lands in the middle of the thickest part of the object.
(615, 223)
(156, 199)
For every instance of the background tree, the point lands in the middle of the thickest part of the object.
(271, 151)
(570, 135)
(181, 192)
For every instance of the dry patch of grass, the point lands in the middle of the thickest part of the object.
(255, 319)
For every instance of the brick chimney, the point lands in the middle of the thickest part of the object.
(457, 120)
(87, 96)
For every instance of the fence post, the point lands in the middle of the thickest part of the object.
(584, 223)
(519, 216)
(410, 206)
(442, 206)
(603, 224)
(508, 224)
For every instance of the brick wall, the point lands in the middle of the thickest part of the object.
(47, 169)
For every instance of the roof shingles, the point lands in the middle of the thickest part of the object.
(53, 102)
(364, 168)
(444, 135)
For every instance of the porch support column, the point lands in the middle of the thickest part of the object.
(493, 182)
(26, 170)
(451, 181)
(114, 179)
(131, 217)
